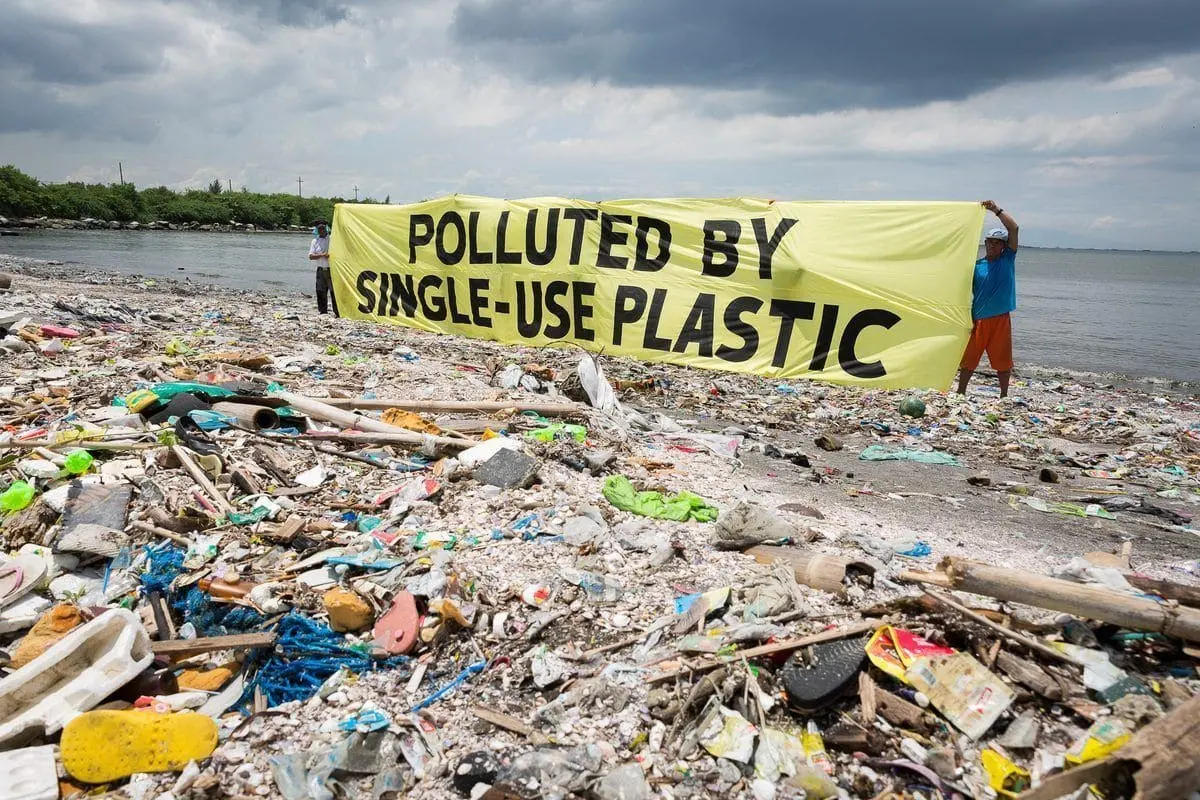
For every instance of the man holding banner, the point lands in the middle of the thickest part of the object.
(994, 298)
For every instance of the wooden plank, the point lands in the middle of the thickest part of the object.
(286, 530)
(501, 720)
(771, 649)
(1164, 758)
(866, 698)
(1029, 674)
(186, 648)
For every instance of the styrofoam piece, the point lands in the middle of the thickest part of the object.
(23, 613)
(29, 774)
(474, 456)
(73, 676)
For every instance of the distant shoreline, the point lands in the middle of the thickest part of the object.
(11, 227)
(15, 227)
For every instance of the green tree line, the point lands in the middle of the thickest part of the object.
(22, 195)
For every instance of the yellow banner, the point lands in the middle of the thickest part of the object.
(875, 294)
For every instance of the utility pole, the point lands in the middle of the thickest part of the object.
(299, 184)
(230, 180)
(356, 192)
(121, 172)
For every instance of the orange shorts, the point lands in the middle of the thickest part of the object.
(993, 335)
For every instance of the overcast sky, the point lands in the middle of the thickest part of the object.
(1079, 116)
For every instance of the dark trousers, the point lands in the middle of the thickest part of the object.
(324, 289)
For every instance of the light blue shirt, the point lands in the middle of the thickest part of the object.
(994, 288)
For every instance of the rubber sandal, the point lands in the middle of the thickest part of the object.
(103, 746)
(396, 631)
(817, 675)
(19, 574)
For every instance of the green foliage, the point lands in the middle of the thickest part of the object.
(22, 195)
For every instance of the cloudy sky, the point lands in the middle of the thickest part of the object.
(1079, 116)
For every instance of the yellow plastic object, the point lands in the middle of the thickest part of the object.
(1003, 775)
(103, 746)
(410, 421)
(1104, 738)
(140, 399)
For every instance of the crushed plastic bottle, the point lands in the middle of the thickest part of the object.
(17, 496)
(598, 588)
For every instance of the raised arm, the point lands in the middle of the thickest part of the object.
(1006, 220)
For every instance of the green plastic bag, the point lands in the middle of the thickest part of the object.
(679, 507)
(559, 430)
(166, 391)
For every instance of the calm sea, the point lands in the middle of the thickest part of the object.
(1111, 311)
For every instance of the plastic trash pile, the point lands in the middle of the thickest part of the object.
(248, 552)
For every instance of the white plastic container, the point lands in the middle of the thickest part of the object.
(74, 675)
(29, 774)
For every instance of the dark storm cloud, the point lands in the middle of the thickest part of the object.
(291, 13)
(60, 51)
(814, 55)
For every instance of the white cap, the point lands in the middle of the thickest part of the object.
(997, 233)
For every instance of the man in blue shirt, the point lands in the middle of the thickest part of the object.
(994, 298)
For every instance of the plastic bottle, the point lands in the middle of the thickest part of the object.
(17, 496)
(227, 589)
(598, 588)
(814, 748)
(79, 462)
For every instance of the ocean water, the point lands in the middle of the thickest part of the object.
(1109, 311)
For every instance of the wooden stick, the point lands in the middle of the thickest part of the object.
(501, 720)
(588, 655)
(1090, 602)
(201, 479)
(399, 437)
(357, 422)
(1037, 647)
(771, 649)
(163, 532)
(450, 406)
(186, 648)
(84, 444)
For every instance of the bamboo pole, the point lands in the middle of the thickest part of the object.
(258, 417)
(451, 406)
(381, 432)
(1071, 598)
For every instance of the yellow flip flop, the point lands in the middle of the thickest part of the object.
(103, 746)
